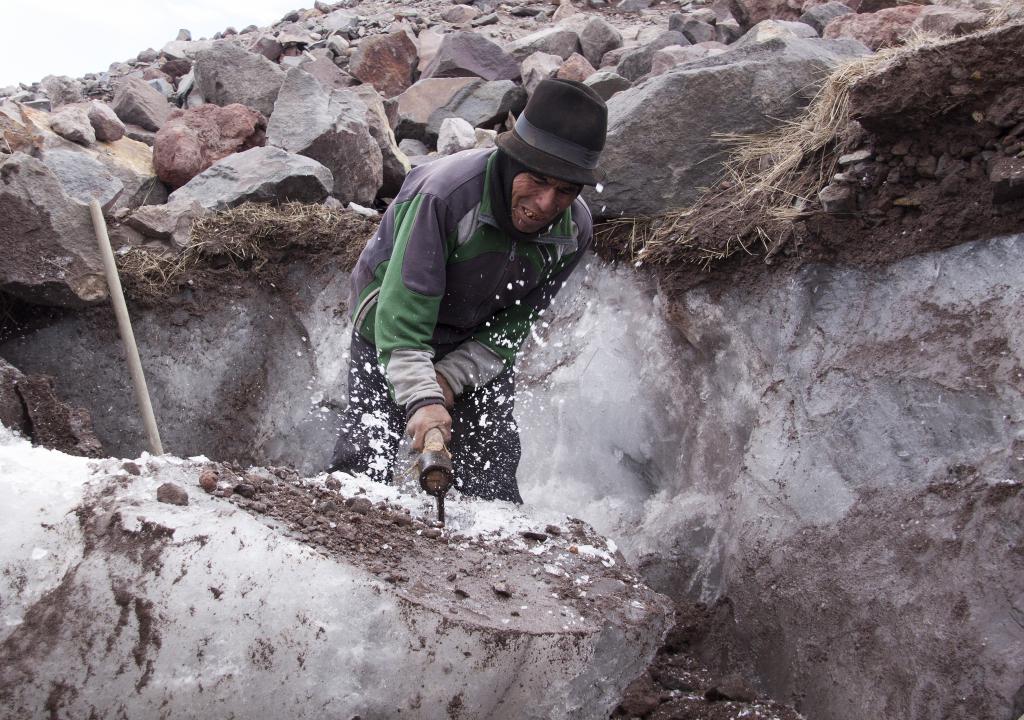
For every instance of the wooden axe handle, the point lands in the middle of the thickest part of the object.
(434, 441)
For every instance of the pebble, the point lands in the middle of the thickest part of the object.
(432, 533)
(172, 494)
(245, 490)
(131, 468)
(501, 589)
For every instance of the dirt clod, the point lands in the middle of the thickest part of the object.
(172, 494)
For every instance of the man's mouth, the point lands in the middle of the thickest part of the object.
(530, 216)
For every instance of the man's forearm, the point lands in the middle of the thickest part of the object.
(470, 365)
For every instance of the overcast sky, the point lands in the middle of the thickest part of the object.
(74, 37)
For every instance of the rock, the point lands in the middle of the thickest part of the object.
(483, 20)
(770, 29)
(184, 49)
(459, 14)
(162, 86)
(416, 105)
(606, 83)
(559, 41)
(463, 54)
(264, 174)
(340, 22)
(950, 20)
(731, 688)
(330, 76)
(359, 505)
(13, 413)
(171, 222)
(395, 164)
(877, 30)
(61, 90)
(29, 403)
(332, 129)
(454, 136)
(172, 494)
(427, 44)
(481, 104)
(537, 67)
(819, 16)
(269, 48)
(751, 12)
(385, 61)
(105, 123)
(227, 74)
(728, 31)
(697, 31)
(50, 253)
(676, 55)
(575, 68)
(485, 138)
(245, 490)
(596, 37)
(192, 140)
(662, 142)
(83, 177)
(837, 199)
(183, 34)
(637, 63)
(1007, 177)
(413, 148)
(71, 122)
(137, 103)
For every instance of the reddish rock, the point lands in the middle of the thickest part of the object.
(386, 62)
(176, 68)
(877, 30)
(208, 480)
(193, 140)
(152, 73)
(575, 68)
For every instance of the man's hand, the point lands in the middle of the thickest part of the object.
(449, 396)
(426, 418)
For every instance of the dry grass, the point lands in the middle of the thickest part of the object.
(245, 237)
(771, 180)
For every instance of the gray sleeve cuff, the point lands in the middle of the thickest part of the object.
(469, 365)
(411, 374)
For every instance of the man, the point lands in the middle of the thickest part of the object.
(468, 255)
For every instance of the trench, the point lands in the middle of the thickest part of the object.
(812, 455)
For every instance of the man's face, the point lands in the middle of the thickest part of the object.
(537, 200)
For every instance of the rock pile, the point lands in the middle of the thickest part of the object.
(350, 86)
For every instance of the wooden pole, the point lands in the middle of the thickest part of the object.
(124, 325)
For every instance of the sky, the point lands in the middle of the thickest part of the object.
(75, 37)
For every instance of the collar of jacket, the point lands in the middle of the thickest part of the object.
(562, 232)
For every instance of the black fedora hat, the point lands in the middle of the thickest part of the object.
(560, 133)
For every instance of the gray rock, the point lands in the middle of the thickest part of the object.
(598, 36)
(162, 86)
(13, 413)
(50, 252)
(416, 105)
(697, 32)
(228, 74)
(537, 67)
(662, 143)
(332, 129)
(454, 136)
(184, 34)
(263, 174)
(559, 41)
(185, 49)
(269, 48)
(1007, 177)
(105, 122)
(83, 177)
(338, 45)
(770, 29)
(728, 31)
(170, 222)
(819, 16)
(484, 20)
(637, 63)
(413, 148)
(340, 22)
(463, 54)
(676, 21)
(147, 56)
(71, 122)
(458, 14)
(481, 104)
(137, 103)
(606, 83)
(675, 55)
(837, 199)
(395, 164)
(61, 90)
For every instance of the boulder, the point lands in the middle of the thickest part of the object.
(226, 74)
(170, 222)
(606, 83)
(269, 48)
(395, 164)
(186, 49)
(385, 61)
(460, 14)
(482, 104)
(696, 31)
(427, 44)
(331, 76)
(331, 128)
(340, 22)
(454, 136)
(939, 20)
(83, 177)
(877, 30)
(61, 90)
(537, 67)
(464, 54)
(664, 135)
(676, 55)
(818, 16)
(105, 123)
(751, 12)
(637, 62)
(263, 174)
(770, 29)
(559, 41)
(50, 252)
(575, 68)
(71, 122)
(415, 106)
(193, 140)
(137, 103)
(597, 36)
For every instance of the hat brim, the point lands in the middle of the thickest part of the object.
(545, 163)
